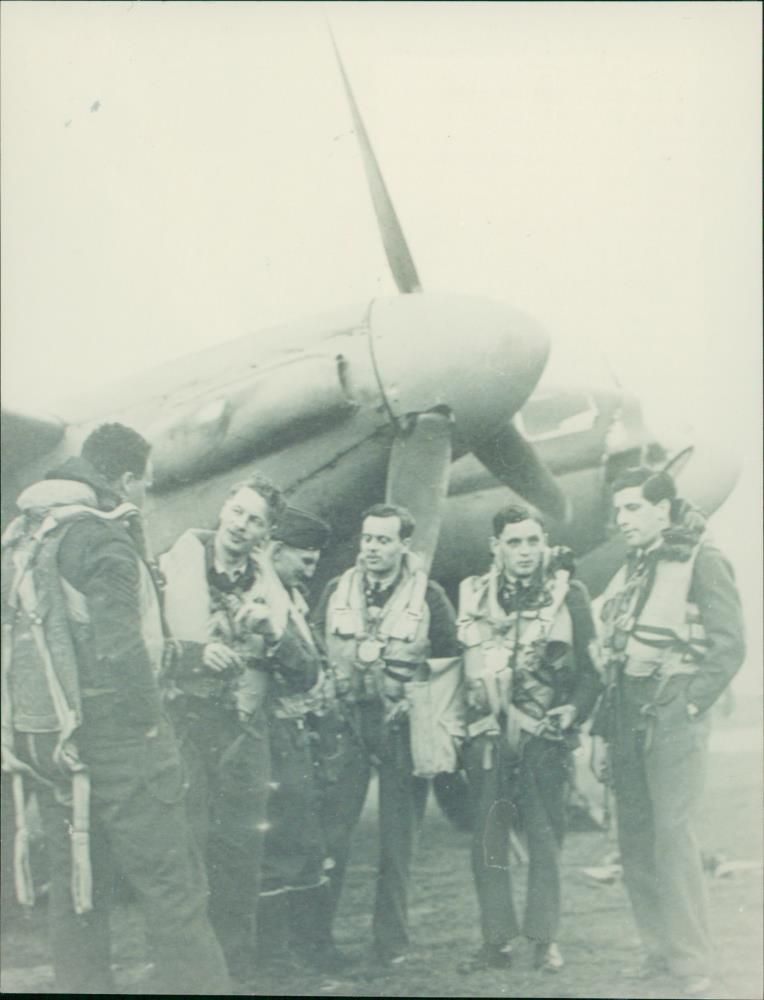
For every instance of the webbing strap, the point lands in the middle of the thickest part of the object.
(67, 719)
(82, 875)
(64, 755)
(22, 871)
(658, 637)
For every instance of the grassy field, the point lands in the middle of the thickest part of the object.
(597, 937)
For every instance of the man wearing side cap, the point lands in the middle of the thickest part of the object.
(293, 879)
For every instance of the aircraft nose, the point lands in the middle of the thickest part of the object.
(480, 359)
(705, 473)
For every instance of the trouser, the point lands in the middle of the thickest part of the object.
(364, 740)
(293, 861)
(525, 792)
(294, 845)
(658, 775)
(229, 771)
(138, 827)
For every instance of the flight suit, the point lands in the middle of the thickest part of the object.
(294, 855)
(138, 827)
(222, 723)
(374, 733)
(667, 651)
(519, 779)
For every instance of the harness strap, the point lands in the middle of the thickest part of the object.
(659, 637)
(82, 875)
(487, 725)
(64, 755)
(6, 712)
(22, 871)
(66, 717)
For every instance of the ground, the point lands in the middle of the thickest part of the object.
(597, 936)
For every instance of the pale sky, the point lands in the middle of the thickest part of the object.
(174, 175)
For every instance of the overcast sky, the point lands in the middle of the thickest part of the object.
(174, 175)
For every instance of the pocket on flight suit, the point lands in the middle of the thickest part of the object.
(671, 724)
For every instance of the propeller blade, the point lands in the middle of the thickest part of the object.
(417, 477)
(509, 457)
(398, 256)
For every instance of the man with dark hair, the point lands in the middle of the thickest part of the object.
(113, 449)
(673, 638)
(240, 650)
(382, 620)
(102, 641)
(526, 627)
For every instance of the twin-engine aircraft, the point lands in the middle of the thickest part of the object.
(428, 400)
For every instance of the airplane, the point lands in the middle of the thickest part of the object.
(429, 400)
(434, 401)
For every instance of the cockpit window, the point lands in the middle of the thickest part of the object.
(555, 414)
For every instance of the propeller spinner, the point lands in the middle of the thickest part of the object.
(504, 369)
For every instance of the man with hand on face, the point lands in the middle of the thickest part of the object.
(526, 627)
(673, 638)
(382, 620)
(225, 603)
(293, 880)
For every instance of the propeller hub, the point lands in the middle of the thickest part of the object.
(476, 358)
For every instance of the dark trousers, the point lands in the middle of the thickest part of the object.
(229, 770)
(294, 844)
(526, 792)
(658, 775)
(362, 742)
(293, 881)
(138, 829)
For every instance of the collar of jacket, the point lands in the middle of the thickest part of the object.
(81, 471)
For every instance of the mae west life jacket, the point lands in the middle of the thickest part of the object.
(188, 611)
(666, 636)
(379, 659)
(374, 656)
(503, 654)
(296, 706)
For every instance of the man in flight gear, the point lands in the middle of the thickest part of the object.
(293, 880)
(382, 620)
(526, 627)
(239, 648)
(83, 640)
(673, 638)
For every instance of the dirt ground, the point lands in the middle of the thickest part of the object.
(597, 936)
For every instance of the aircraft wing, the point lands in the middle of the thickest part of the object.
(27, 437)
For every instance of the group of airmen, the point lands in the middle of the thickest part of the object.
(211, 738)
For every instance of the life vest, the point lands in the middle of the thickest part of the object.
(373, 657)
(667, 635)
(188, 610)
(436, 711)
(296, 706)
(46, 645)
(503, 654)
